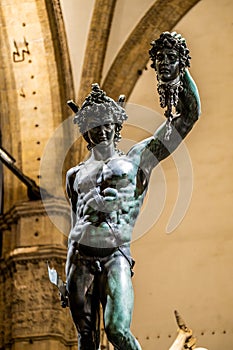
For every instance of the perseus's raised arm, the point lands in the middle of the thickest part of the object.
(178, 94)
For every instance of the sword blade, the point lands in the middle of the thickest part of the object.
(56, 280)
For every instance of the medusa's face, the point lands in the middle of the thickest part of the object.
(167, 64)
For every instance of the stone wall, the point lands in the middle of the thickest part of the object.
(30, 309)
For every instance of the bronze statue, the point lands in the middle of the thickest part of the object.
(106, 192)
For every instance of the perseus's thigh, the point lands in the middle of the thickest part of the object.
(82, 297)
(117, 298)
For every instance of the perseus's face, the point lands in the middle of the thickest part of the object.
(167, 64)
(101, 132)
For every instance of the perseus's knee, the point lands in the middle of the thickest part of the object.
(116, 335)
(86, 341)
(121, 338)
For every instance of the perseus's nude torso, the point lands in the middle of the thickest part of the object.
(107, 202)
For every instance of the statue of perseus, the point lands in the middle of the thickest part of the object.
(107, 190)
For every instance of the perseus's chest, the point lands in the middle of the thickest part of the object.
(116, 173)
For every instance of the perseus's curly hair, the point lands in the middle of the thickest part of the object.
(99, 106)
(171, 41)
